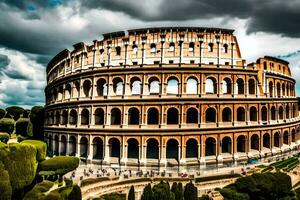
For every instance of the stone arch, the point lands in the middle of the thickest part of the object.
(172, 85)
(277, 140)
(63, 147)
(241, 114)
(240, 86)
(255, 142)
(191, 148)
(286, 137)
(273, 113)
(278, 89)
(133, 116)
(267, 140)
(68, 91)
(152, 149)
(87, 85)
(210, 85)
(97, 148)
(280, 112)
(210, 146)
(210, 115)
(64, 116)
(73, 117)
(271, 89)
(56, 145)
(241, 143)
(99, 116)
(115, 116)
(101, 87)
(192, 116)
(85, 117)
(172, 149)
(287, 111)
(114, 145)
(191, 85)
(226, 115)
(136, 86)
(152, 116)
(293, 135)
(57, 117)
(83, 147)
(133, 148)
(76, 89)
(264, 113)
(118, 86)
(253, 113)
(172, 116)
(226, 144)
(283, 89)
(72, 146)
(154, 85)
(251, 86)
(226, 86)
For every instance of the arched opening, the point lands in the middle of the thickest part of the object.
(278, 89)
(172, 116)
(84, 147)
(255, 142)
(280, 112)
(154, 85)
(118, 86)
(192, 116)
(287, 90)
(283, 89)
(172, 149)
(210, 115)
(64, 115)
(226, 86)
(192, 86)
(172, 87)
(57, 117)
(115, 116)
(191, 148)
(276, 140)
(273, 113)
(191, 46)
(114, 144)
(210, 47)
(68, 91)
(293, 135)
(76, 90)
(264, 114)
(153, 116)
(118, 51)
(286, 137)
(136, 87)
(241, 114)
(294, 111)
(87, 88)
(60, 93)
(99, 116)
(266, 140)
(253, 114)
(226, 145)
(226, 115)
(133, 116)
(271, 89)
(63, 147)
(172, 46)
(98, 148)
(225, 48)
(50, 144)
(251, 86)
(85, 117)
(73, 117)
(241, 143)
(240, 86)
(72, 146)
(287, 111)
(56, 145)
(152, 149)
(133, 148)
(101, 87)
(210, 86)
(153, 48)
(210, 147)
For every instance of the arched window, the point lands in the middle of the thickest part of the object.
(191, 47)
(278, 89)
(118, 51)
(225, 47)
(73, 117)
(115, 116)
(172, 46)
(57, 118)
(251, 86)
(210, 147)
(226, 145)
(240, 86)
(133, 148)
(280, 112)
(210, 47)
(226, 86)
(271, 89)
(266, 140)
(133, 116)
(172, 116)
(101, 87)
(154, 85)
(99, 116)
(286, 137)
(134, 49)
(118, 86)
(255, 142)
(136, 86)
(172, 149)
(153, 116)
(76, 90)
(191, 86)
(276, 139)
(84, 147)
(265, 65)
(192, 116)
(294, 111)
(114, 150)
(97, 148)
(87, 88)
(210, 115)
(210, 86)
(64, 120)
(192, 148)
(253, 114)
(152, 151)
(264, 114)
(226, 115)
(283, 89)
(287, 111)
(68, 91)
(273, 113)
(172, 87)
(85, 117)
(241, 114)
(153, 48)
(287, 90)
(241, 143)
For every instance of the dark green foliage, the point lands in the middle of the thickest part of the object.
(25, 114)
(230, 194)
(38, 191)
(75, 194)
(4, 137)
(59, 165)
(21, 138)
(113, 196)
(15, 112)
(147, 193)
(30, 130)
(131, 195)
(204, 197)
(2, 113)
(178, 191)
(40, 146)
(162, 191)
(190, 192)
(37, 119)
(20, 162)
(5, 187)
(21, 126)
(7, 125)
(260, 187)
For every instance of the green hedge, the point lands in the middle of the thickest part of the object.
(7, 125)
(20, 162)
(58, 165)
(40, 146)
(38, 190)
(22, 126)
(4, 137)
(5, 187)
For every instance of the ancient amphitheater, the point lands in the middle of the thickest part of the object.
(169, 96)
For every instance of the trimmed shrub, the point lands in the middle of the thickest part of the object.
(190, 192)
(5, 187)
(59, 165)
(20, 162)
(7, 125)
(2, 113)
(15, 112)
(38, 190)
(37, 115)
(30, 129)
(22, 126)
(40, 146)
(4, 137)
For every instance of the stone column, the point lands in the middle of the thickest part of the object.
(67, 145)
(124, 158)
(77, 147)
(90, 150)
(106, 150)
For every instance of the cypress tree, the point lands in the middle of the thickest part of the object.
(179, 195)
(147, 193)
(190, 192)
(131, 195)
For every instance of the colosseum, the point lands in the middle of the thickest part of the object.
(169, 96)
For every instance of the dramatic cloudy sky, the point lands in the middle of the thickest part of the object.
(33, 31)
